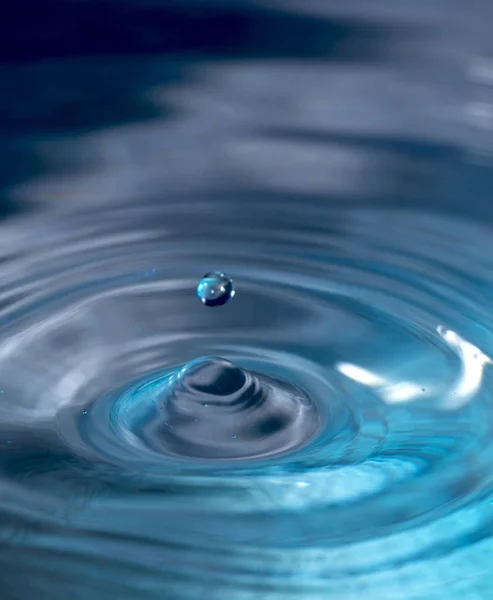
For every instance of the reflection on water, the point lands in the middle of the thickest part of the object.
(328, 433)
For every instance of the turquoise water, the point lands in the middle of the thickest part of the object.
(327, 433)
(342, 442)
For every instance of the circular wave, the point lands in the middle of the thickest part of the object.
(208, 409)
(326, 433)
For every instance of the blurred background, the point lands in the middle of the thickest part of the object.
(105, 102)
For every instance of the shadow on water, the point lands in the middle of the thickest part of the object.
(63, 28)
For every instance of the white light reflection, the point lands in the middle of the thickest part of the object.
(390, 392)
(462, 391)
(360, 375)
(472, 368)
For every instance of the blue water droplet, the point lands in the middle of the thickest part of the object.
(215, 289)
(84, 412)
(233, 436)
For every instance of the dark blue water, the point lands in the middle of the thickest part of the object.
(328, 432)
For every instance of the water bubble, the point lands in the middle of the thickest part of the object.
(215, 289)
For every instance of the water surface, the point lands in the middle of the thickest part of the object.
(328, 432)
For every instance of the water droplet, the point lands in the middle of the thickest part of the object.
(84, 412)
(233, 436)
(215, 289)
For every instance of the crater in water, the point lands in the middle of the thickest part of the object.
(212, 409)
(209, 409)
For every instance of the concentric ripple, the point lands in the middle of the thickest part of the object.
(211, 409)
(327, 433)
